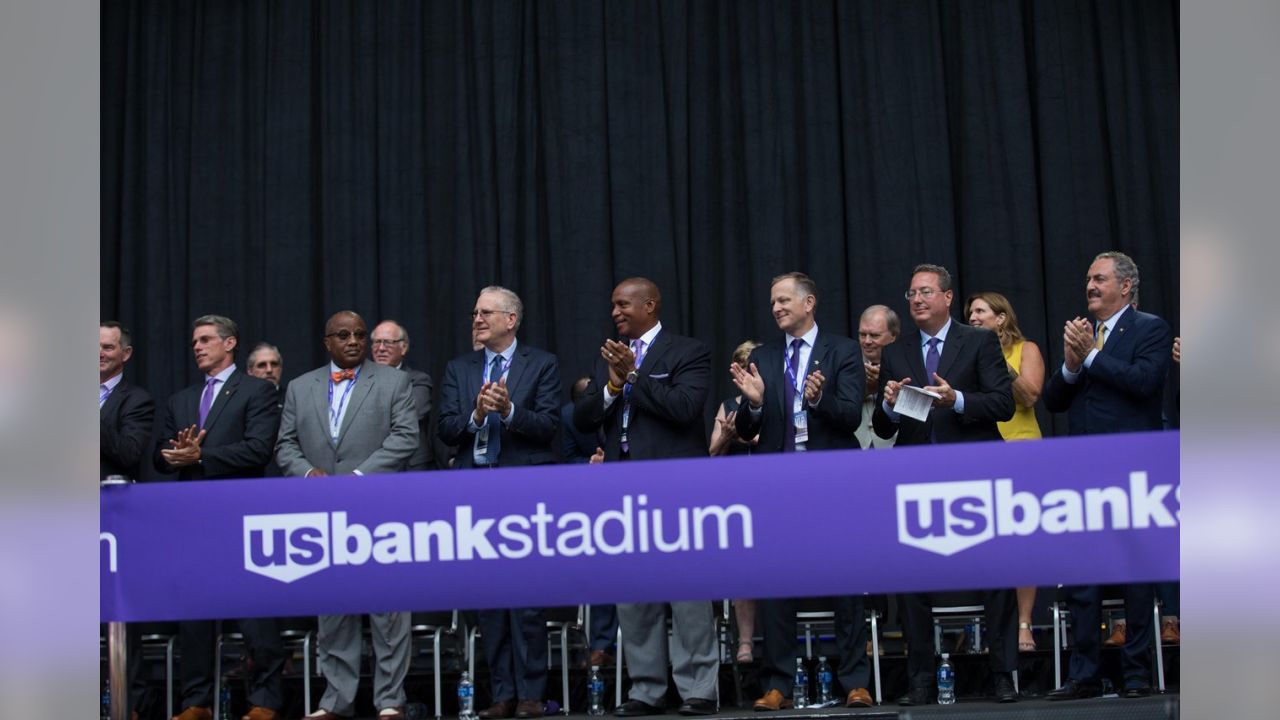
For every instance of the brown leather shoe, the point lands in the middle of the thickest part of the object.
(499, 710)
(601, 658)
(195, 713)
(1170, 632)
(261, 713)
(858, 697)
(1117, 636)
(773, 700)
(529, 709)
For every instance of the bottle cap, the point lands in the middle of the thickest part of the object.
(822, 658)
(595, 668)
(946, 656)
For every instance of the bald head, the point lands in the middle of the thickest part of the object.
(346, 338)
(637, 304)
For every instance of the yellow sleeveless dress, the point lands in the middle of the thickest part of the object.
(1023, 425)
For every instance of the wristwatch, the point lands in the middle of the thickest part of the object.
(632, 377)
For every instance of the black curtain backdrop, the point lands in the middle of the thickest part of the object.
(277, 161)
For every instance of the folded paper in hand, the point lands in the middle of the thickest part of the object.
(915, 402)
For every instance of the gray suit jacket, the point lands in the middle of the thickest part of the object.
(379, 428)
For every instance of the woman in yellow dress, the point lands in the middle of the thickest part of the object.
(1026, 366)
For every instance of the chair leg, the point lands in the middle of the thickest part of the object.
(564, 667)
(306, 670)
(1155, 634)
(168, 675)
(617, 673)
(217, 677)
(1057, 646)
(437, 660)
(875, 655)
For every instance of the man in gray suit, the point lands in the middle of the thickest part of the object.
(353, 416)
(390, 343)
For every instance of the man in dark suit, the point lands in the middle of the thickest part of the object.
(648, 394)
(390, 342)
(803, 391)
(353, 416)
(964, 367)
(1111, 380)
(125, 411)
(125, 415)
(266, 363)
(222, 427)
(500, 407)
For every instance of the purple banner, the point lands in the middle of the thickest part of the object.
(1099, 509)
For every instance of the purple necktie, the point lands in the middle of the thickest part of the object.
(931, 359)
(789, 396)
(103, 394)
(206, 400)
(637, 347)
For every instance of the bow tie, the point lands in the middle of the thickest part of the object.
(348, 374)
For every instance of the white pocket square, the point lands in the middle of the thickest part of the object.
(659, 376)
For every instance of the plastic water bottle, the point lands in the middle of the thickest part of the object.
(466, 697)
(224, 702)
(595, 687)
(106, 701)
(800, 694)
(824, 681)
(946, 681)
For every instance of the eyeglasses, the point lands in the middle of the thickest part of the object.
(924, 293)
(345, 335)
(386, 343)
(487, 313)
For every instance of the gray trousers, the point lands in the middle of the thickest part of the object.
(692, 653)
(340, 646)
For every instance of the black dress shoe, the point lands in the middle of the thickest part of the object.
(1137, 691)
(916, 696)
(637, 708)
(1072, 690)
(1003, 688)
(698, 706)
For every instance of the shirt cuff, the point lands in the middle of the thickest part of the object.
(884, 405)
(471, 423)
(959, 406)
(1069, 377)
(754, 412)
(357, 472)
(506, 419)
(609, 397)
(1088, 359)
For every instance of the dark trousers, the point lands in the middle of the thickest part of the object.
(197, 642)
(1085, 604)
(515, 646)
(1002, 633)
(604, 626)
(777, 620)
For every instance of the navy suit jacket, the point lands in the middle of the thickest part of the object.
(972, 363)
(125, 421)
(837, 415)
(533, 385)
(667, 402)
(1123, 389)
(241, 428)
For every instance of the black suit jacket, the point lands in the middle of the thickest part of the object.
(1123, 389)
(533, 385)
(125, 421)
(972, 363)
(422, 385)
(667, 402)
(241, 428)
(837, 415)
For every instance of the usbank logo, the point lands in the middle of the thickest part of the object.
(286, 547)
(949, 517)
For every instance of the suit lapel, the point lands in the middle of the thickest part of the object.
(911, 343)
(224, 396)
(113, 401)
(956, 338)
(363, 386)
(320, 399)
(654, 352)
(1118, 335)
(519, 362)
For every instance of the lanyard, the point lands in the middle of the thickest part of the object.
(335, 416)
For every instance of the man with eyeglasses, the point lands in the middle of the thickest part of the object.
(500, 406)
(222, 427)
(353, 416)
(390, 344)
(964, 367)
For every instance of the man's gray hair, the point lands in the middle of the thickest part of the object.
(265, 346)
(225, 326)
(510, 301)
(1126, 269)
(891, 320)
(404, 334)
(944, 277)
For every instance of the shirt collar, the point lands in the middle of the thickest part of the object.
(648, 337)
(942, 335)
(333, 368)
(1111, 321)
(809, 338)
(226, 373)
(506, 354)
(112, 382)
